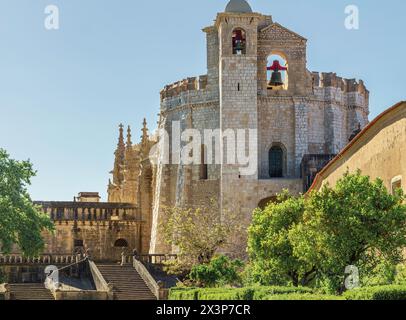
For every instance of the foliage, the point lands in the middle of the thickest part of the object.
(219, 272)
(197, 233)
(383, 273)
(247, 294)
(390, 292)
(183, 294)
(21, 222)
(306, 296)
(269, 246)
(311, 240)
(400, 277)
(357, 223)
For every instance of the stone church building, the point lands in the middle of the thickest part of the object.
(257, 80)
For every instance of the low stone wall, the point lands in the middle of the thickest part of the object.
(157, 289)
(4, 292)
(99, 281)
(81, 295)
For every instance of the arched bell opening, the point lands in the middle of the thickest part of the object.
(277, 72)
(239, 41)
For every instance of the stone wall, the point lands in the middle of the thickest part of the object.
(316, 115)
(379, 151)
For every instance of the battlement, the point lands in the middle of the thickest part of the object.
(185, 85)
(328, 80)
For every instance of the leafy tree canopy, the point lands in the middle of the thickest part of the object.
(21, 222)
(198, 233)
(356, 223)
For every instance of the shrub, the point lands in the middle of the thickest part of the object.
(400, 274)
(220, 294)
(246, 294)
(183, 294)
(259, 293)
(219, 272)
(391, 292)
(307, 296)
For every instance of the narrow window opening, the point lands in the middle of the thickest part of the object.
(396, 184)
(204, 172)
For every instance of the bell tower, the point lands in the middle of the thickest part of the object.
(238, 85)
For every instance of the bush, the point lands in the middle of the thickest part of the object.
(400, 275)
(183, 294)
(391, 292)
(219, 272)
(246, 294)
(298, 297)
(259, 293)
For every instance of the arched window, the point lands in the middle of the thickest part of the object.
(276, 162)
(239, 42)
(121, 243)
(277, 75)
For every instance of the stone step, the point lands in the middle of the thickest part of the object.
(127, 283)
(30, 291)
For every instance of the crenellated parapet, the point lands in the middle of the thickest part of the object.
(185, 85)
(331, 80)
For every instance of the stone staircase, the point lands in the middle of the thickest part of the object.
(127, 283)
(30, 291)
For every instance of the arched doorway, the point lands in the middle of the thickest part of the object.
(276, 162)
(121, 243)
(265, 202)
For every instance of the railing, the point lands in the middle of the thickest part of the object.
(156, 288)
(156, 259)
(81, 211)
(18, 259)
(99, 281)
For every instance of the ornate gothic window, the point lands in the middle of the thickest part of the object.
(276, 162)
(239, 42)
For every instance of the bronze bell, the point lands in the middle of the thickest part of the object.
(276, 79)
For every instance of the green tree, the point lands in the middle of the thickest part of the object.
(21, 222)
(269, 247)
(357, 223)
(197, 234)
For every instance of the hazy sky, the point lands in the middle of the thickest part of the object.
(63, 93)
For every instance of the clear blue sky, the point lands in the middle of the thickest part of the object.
(63, 93)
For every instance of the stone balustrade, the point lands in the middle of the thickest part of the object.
(156, 259)
(80, 211)
(18, 259)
